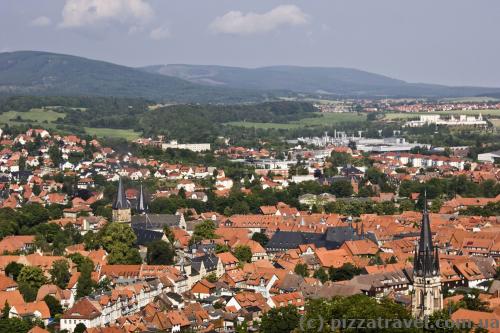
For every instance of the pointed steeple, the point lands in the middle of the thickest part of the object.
(142, 206)
(121, 201)
(426, 261)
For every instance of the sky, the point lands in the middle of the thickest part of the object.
(453, 42)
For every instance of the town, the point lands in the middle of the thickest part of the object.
(95, 238)
(249, 166)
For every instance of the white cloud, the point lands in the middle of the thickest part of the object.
(41, 21)
(160, 33)
(238, 23)
(78, 13)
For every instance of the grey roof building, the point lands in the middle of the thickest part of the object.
(158, 222)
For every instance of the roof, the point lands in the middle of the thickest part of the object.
(155, 221)
(142, 205)
(15, 243)
(82, 309)
(361, 247)
(28, 309)
(12, 297)
(476, 317)
(333, 258)
(209, 261)
(6, 283)
(145, 236)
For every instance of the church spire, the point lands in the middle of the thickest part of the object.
(427, 295)
(121, 201)
(426, 262)
(142, 206)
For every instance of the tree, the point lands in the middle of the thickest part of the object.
(85, 284)
(346, 272)
(301, 269)
(280, 320)
(243, 253)
(122, 254)
(29, 280)
(32, 276)
(6, 310)
(60, 274)
(321, 275)
(260, 238)
(117, 233)
(169, 234)
(54, 305)
(339, 159)
(119, 240)
(15, 325)
(220, 248)
(80, 328)
(55, 155)
(13, 269)
(33, 214)
(81, 262)
(212, 277)
(342, 188)
(203, 230)
(160, 253)
(320, 313)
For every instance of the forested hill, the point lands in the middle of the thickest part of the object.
(185, 122)
(50, 74)
(318, 80)
(42, 73)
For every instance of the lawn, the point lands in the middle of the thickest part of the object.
(408, 115)
(126, 134)
(324, 119)
(43, 117)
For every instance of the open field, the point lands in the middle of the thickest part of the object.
(409, 115)
(43, 117)
(325, 119)
(470, 99)
(495, 122)
(127, 134)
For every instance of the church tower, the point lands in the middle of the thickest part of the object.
(427, 296)
(121, 206)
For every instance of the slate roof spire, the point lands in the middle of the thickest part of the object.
(142, 205)
(426, 262)
(121, 201)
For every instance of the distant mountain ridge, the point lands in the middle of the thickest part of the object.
(316, 80)
(51, 74)
(44, 73)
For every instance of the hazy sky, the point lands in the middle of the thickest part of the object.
(453, 42)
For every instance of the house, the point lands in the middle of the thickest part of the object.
(229, 261)
(203, 265)
(37, 309)
(248, 300)
(17, 243)
(203, 289)
(83, 311)
(281, 300)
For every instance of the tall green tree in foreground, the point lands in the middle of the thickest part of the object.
(280, 320)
